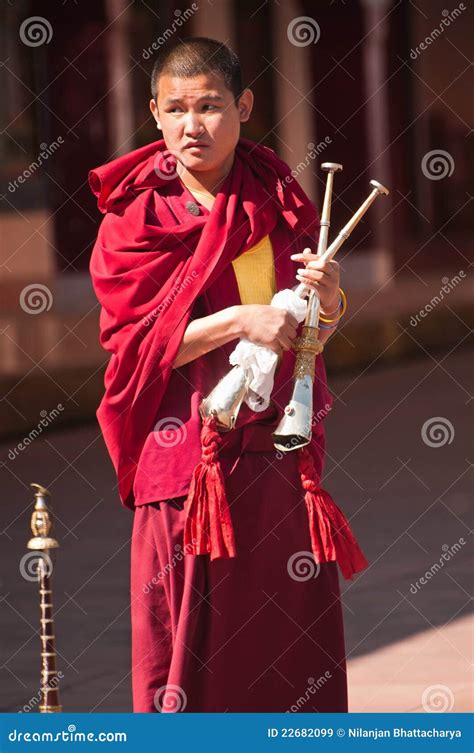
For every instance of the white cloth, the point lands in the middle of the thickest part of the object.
(260, 362)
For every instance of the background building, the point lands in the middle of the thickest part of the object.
(377, 85)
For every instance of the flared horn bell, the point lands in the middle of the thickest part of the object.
(294, 429)
(226, 398)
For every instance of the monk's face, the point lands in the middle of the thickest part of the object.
(200, 111)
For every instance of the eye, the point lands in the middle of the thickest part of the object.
(213, 107)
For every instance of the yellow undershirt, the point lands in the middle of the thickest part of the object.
(255, 273)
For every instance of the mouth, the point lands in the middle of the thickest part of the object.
(196, 145)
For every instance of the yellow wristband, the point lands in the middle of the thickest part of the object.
(342, 306)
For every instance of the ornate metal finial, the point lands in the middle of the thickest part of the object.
(41, 526)
(41, 521)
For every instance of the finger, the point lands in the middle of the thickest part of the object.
(292, 321)
(318, 276)
(290, 333)
(329, 267)
(290, 325)
(315, 273)
(309, 284)
(319, 286)
(304, 257)
(284, 341)
(311, 275)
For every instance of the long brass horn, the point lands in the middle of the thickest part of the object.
(295, 428)
(225, 400)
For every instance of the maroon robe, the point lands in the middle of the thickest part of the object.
(262, 631)
(252, 634)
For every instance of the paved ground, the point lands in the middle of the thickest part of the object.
(409, 642)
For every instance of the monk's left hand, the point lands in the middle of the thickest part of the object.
(323, 277)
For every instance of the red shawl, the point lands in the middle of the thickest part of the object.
(138, 261)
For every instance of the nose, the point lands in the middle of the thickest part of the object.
(193, 126)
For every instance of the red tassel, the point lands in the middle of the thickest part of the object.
(331, 535)
(208, 526)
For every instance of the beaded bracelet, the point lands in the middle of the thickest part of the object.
(342, 309)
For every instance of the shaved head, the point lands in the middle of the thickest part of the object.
(193, 56)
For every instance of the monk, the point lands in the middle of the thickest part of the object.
(235, 600)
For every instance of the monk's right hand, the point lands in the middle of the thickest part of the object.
(267, 326)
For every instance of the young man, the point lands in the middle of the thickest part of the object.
(234, 583)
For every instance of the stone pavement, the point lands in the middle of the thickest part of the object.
(398, 463)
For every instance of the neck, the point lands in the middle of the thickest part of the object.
(210, 180)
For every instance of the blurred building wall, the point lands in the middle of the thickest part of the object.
(357, 83)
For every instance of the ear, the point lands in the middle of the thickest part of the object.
(245, 105)
(154, 112)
